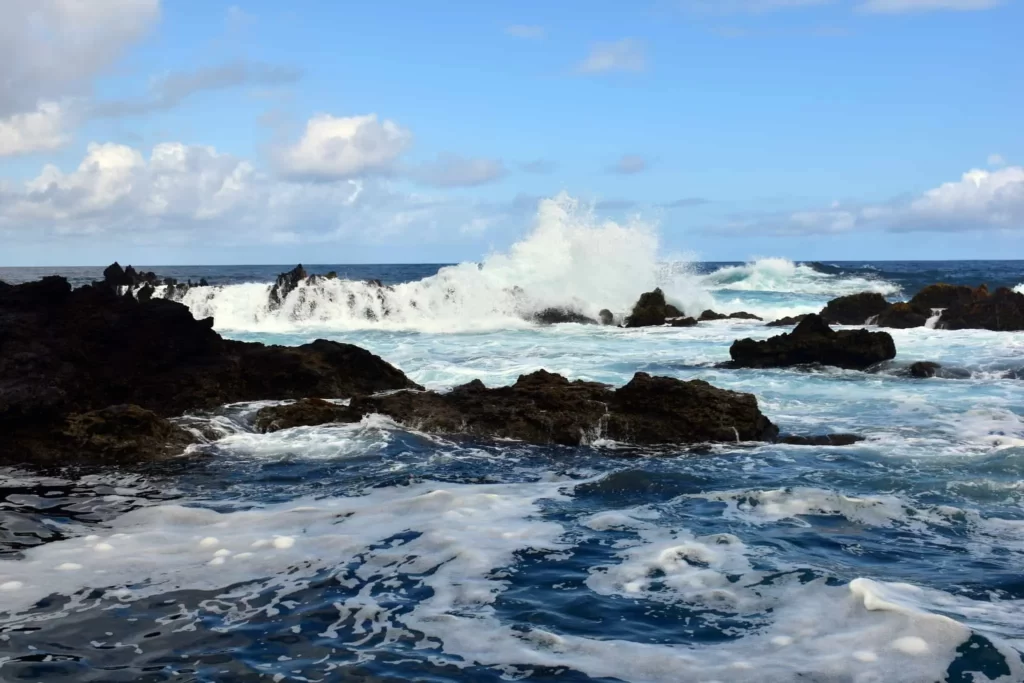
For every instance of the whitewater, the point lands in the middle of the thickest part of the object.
(374, 552)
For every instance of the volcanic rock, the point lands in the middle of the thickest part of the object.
(305, 413)
(787, 321)
(553, 316)
(681, 322)
(924, 369)
(285, 284)
(855, 309)
(651, 310)
(65, 352)
(545, 408)
(814, 342)
(901, 316)
(821, 440)
(942, 295)
(606, 317)
(739, 315)
(1001, 311)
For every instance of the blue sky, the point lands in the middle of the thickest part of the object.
(180, 131)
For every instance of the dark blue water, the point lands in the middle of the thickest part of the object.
(372, 552)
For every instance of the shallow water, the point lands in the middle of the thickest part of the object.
(371, 552)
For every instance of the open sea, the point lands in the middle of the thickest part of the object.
(370, 552)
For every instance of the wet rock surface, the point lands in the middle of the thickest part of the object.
(855, 309)
(65, 352)
(821, 440)
(739, 315)
(1001, 311)
(814, 342)
(554, 316)
(652, 310)
(901, 316)
(546, 408)
(788, 321)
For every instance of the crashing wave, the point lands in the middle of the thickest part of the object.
(783, 275)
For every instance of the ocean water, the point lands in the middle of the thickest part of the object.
(370, 552)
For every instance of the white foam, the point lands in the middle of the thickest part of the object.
(782, 275)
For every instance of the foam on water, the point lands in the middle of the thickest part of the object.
(782, 275)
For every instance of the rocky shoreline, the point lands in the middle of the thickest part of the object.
(95, 374)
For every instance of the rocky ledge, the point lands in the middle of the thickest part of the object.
(545, 408)
(813, 342)
(82, 371)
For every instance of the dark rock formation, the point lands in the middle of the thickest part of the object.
(740, 315)
(942, 295)
(787, 321)
(924, 369)
(65, 352)
(114, 277)
(1001, 311)
(855, 309)
(821, 440)
(814, 342)
(681, 322)
(121, 434)
(285, 284)
(553, 316)
(545, 408)
(901, 316)
(652, 309)
(606, 317)
(305, 413)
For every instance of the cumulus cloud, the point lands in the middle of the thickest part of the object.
(170, 90)
(979, 200)
(622, 55)
(629, 164)
(344, 147)
(184, 194)
(451, 170)
(908, 6)
(46, 128)
(52, 49)
(526, 31)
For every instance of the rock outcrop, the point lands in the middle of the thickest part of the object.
(67, 352)
(740, 315)
(854, 309)
(942, 295)
(285, 284)
(814, 342)
(924, 369)
(821, 440)
(788, 321)
(652, 310)
(554, 316)
(545, 408)
(1001, 311)
(901, 316)
(606, 317)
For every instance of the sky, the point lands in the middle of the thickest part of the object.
(256, 131)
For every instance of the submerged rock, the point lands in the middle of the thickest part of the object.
(855, 309)
(305, 413)
(553, 316)
(652, 310)
(814, 342)
(901, 316)
(1001, 311)
(821, 440)
(739, 315)
(787, 321)
(681, 322)
(121, 433)
(924, 369)
(65, 352)
(545, 408)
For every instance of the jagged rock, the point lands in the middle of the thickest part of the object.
(681, 322)
(855, 309)
(901, 316)
(285, 284)
(553, 316)
(1001, 311)
(305, 413)
(203, 282)
(64, 352)
(121, 433)
(651, 310)
(606, 317)
(146, 293)
(787, 321)
(924, 369)
(821, 440)
(942, 295)
(115, 276)
(545, 408)
(814, 342)
(740, 315)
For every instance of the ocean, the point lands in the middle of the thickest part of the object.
(370, 552)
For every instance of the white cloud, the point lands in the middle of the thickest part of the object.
(622, 55)
(180, 194)
(629, 164)
(46, 128)
(451, 170)
(979, 200)
(526, 31)
(51, 49)
(908, 6)
(996, 160)
(345, 147)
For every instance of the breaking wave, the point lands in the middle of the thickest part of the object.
(569, 260)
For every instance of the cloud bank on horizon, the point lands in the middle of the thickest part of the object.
(282, 139)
